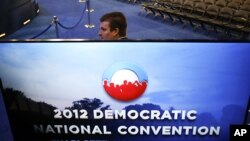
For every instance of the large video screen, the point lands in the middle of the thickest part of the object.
(175, 91)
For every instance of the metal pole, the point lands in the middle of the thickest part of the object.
(89, 10)
(56, 26)
(88, 7)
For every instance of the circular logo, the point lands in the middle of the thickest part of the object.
(124, 81)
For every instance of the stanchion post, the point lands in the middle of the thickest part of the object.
(56, 20)
(89, 10)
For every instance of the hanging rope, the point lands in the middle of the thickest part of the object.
(71, 27)
(45, 30)
(56, 22)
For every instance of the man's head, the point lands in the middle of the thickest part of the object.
(113, 26)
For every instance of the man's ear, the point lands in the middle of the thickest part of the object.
(116, 31)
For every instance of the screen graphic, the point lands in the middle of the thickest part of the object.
(124, 81)
(175, 91)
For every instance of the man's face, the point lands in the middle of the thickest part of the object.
(105, 33)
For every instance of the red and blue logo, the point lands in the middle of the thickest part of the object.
(125, 81)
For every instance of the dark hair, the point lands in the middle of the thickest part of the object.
(116, 20)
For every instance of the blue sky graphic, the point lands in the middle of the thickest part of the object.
(201, 76)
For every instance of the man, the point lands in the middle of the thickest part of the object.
(113, 26)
